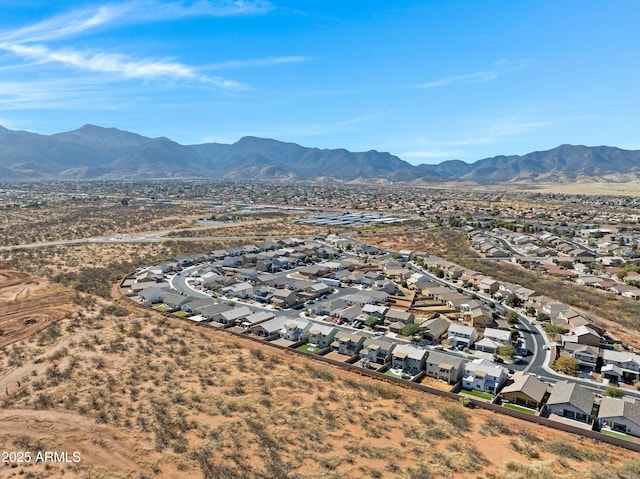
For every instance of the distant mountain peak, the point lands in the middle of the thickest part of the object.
(95, 152)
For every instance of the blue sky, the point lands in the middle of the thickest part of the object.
(426, 80)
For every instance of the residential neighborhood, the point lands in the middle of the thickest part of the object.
(393, 314)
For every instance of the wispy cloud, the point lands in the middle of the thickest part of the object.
(128, 13)
(257, 62)
(120, 65)
(477, 77)
(60, 93)
(35, 44)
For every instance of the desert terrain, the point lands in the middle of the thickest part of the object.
(138, 394)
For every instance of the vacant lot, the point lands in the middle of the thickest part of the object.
(29, 304)
(68, 221)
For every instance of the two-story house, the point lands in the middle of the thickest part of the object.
(295, 329)
(461, 336)
(348, 344)
(445, 367)
(377, 350)
(620, 366)
(585, 355)
(409, 359)
(321, 335)
(484, 375)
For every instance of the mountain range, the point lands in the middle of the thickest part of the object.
(96, 153)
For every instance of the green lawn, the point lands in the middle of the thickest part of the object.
(390, 372)
(162, 308)
(182, 314)
(520, 408)
(616, 434)
(478, 394)
(308, 348)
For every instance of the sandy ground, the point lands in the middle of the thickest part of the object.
(25, 298)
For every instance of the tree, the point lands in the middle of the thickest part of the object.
(566, 365)
(372, 321)
(513, 301)
(507, 351)
(542, 317)
(613, 391)
(511, 317)
(411, 329)
(553, 329)
(531, 311)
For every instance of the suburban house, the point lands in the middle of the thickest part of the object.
(192, 306)
(488, 285)
(399, 316)
(153, 294)
(321, 335)
(284, 298)
(487, 345)
(585, 355)
(239, 290)
(254, 318)
(270, 328)
(524, 390)
(377, 350)
(348, 344)
(229, 318)
(175, 300)
(409, 359)
(484, 375)
(478, 317)
(435, 329)
(582, 335)
(444, 367)
(209, 311)
(461, 336)
(620, 415)
(374, 310)
(348, 313)
(500, 336)
(572, 401)
(620, 366)
(359, 299)
(295, 329)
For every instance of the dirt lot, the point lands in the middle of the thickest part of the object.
(29, 304)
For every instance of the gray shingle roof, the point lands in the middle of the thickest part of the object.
(572, 393)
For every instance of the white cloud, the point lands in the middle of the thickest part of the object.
(128, 13)
(477, 77)
(119, 65)
(257, 62)
(33, 44)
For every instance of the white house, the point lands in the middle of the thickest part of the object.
(295, 329)
(484, 375)
(617, 365)
(461, 336)
(620, 415)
